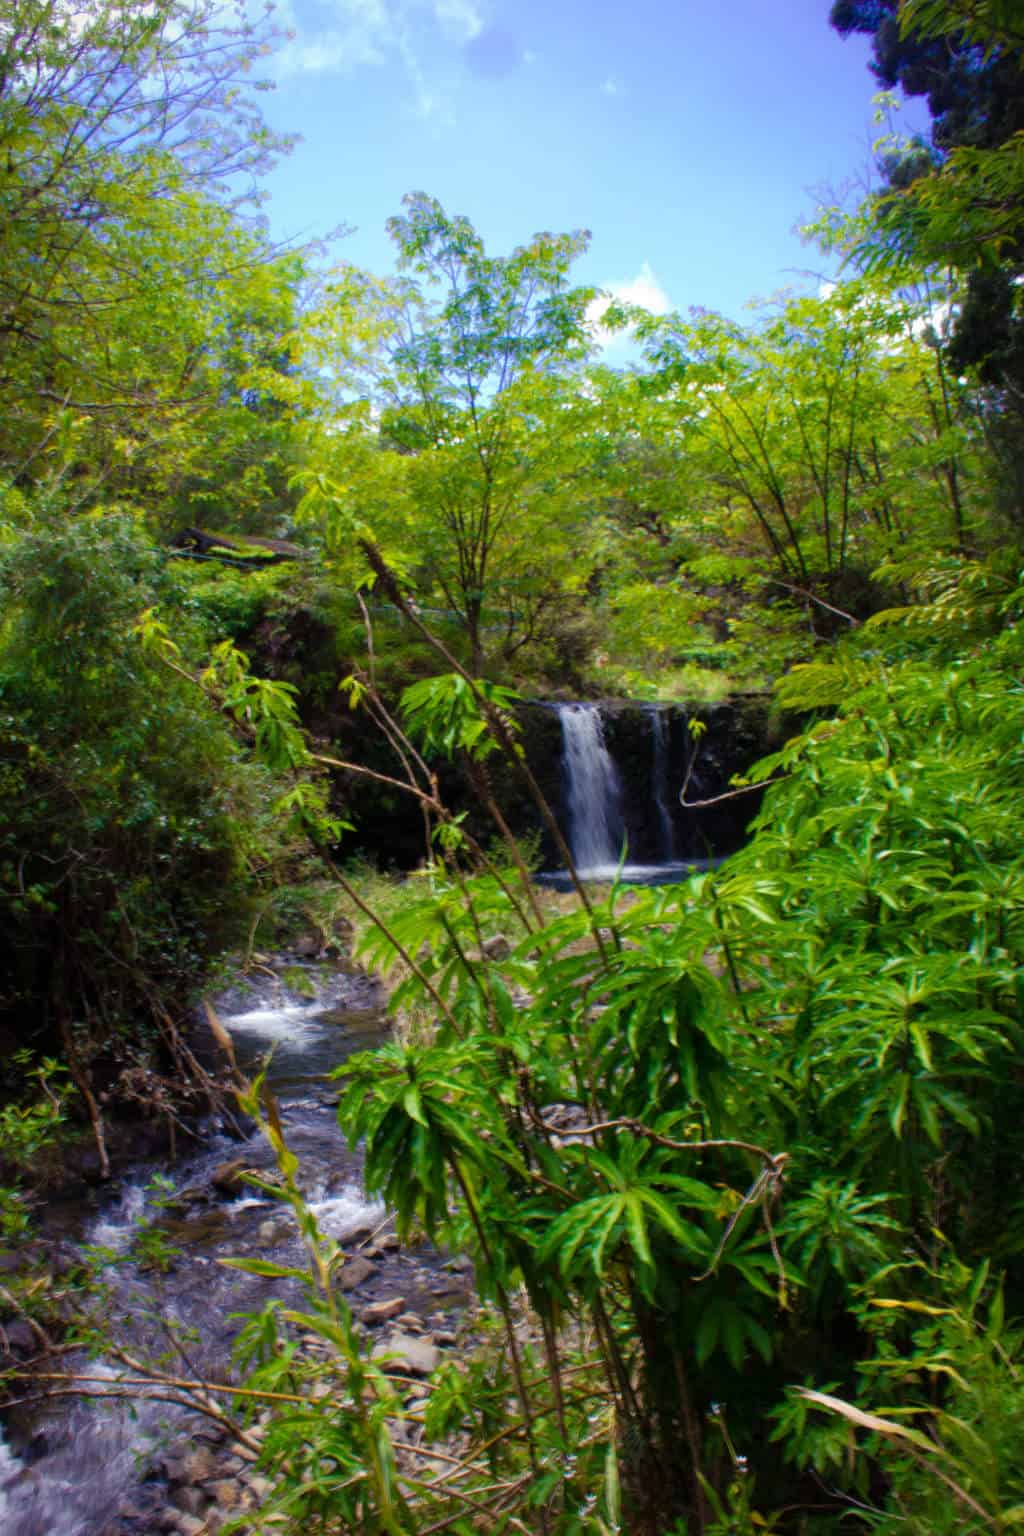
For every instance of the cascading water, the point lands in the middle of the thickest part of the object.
(593, 789)
(594, 799)
(82, 1462)
(659, 786)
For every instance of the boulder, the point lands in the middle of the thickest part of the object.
(410, 1356)
(227, 1178)
(355, 1273)
(270, 1232)
(382, 1311)
(21, 1337)
(226, 1492)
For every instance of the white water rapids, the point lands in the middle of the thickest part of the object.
(76, 1467)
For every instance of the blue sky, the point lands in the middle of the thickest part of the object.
(689, 137)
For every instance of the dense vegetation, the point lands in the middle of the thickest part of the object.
(736, 1162)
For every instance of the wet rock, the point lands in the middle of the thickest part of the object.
(195, 1194)
(21, 1337)
(386, 1242)
(190, 1525)
(411, 1356)
(227, 1178)
(357, 1021)
(197, 1465)
(209, 1434)
(412, 1322)
(496, 948)
(196, 1231)
(382, 1311)
(348, 1237)
(270, 1232)
(356, 1272)
(226, 1493)
(189, 1501)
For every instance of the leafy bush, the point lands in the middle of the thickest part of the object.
(703, 1131)
(131, 813)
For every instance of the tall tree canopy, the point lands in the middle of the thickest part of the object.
(129, 139)
(959, 202)
(465, 367)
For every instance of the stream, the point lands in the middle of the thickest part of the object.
(84, 1467)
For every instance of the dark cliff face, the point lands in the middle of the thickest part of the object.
(388, 823)
(734, 735)
(653, 773)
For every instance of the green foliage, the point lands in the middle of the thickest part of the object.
(27, 1129)
(123, 135)
(948, 1432)
(703, 1128)
(444, 714)
(695, 1140)
(132, 815)
(468, 461)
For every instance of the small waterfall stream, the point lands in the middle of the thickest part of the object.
(71, 1469)
(659, 785)
(593, 789)
(601, 813)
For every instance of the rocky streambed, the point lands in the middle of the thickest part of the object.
(100, 1465)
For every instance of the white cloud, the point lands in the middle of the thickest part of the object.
(341, 36)
(347, 35)
(644, 290)
(460, 18)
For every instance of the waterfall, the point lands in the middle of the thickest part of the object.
(659, 786)
(593, 789)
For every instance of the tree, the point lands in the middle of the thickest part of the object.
(956, 55)
(813, 446)
(960, 203)
(128, 137)
(130, 814)
(468, 365)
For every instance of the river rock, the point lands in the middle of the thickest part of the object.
(411, 1356)
(496, 948)
(190, 1501)
(227, 1178)
(226, 1492)
(195, 1466)
(387, 1242)
(356, 1272)
(270, 1232)
(349, 1236)
(21, 1338)
(382, 1311)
